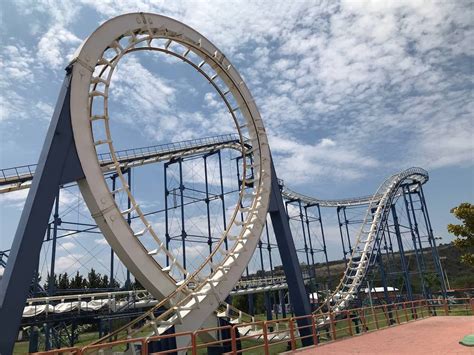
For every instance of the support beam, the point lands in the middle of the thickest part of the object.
(291, 265)
(401, 251)
(58, 164)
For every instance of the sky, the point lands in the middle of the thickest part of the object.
(350, 92)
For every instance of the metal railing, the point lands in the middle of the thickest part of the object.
(275, 336)
(25, 172)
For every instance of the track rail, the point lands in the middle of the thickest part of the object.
(193, 298)
(368, 239)
(19, 177)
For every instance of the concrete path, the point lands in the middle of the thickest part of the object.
(435, 335)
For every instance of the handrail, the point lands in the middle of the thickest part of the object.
(267, 334)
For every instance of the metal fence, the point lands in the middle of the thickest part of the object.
(279, 335)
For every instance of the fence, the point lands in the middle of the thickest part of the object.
(275, 336)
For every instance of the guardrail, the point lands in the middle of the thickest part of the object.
(279, 335)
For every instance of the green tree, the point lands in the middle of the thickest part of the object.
(464, 232)
(77, 282)
(50, 279)
(63, 281)
(94, 279)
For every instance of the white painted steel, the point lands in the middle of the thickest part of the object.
(359, 262)
(92, 73)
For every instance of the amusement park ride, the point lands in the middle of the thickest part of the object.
(79, 149)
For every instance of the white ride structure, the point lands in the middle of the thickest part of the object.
(365, 248)
(92, 69)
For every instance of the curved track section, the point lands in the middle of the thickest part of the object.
(366, 246)
(93, 67)
(289, 194)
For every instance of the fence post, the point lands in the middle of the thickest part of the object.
(233, 341)
(144, 346)
(333, 327)
(446, 308)
(404, 305)
(397, 317)
(315, 331)
(374, 314)
(292, 334)
(193, 344)
(349, 323)
(365, 328)
(471, 301)
(431, 308)
(265, 338)
(385, 312)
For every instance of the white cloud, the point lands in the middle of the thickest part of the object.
(65, 262)
(45, 110)
(101, 241)
(56, 47)
(344, 70)
(301, 163)
(15, 199)
(68, 245)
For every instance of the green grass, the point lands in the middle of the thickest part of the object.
(341, 330)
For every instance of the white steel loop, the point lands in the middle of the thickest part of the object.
(93, 67)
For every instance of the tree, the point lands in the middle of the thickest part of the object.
(63, 282)
(53, 280)
(94, 279)
(77, 282)
(464, 232)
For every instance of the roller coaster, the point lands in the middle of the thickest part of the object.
(258, 212)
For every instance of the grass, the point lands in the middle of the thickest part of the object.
(278, 346)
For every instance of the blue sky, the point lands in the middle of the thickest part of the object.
(350, 92)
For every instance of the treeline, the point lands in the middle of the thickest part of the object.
(93, 280)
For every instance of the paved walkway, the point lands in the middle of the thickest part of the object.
(435, 335)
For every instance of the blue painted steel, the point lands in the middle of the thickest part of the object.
(58, 164)
(432, 241)
(344, 252)
(324, 247)
(401, 250)
(291, 265)
(415, 247)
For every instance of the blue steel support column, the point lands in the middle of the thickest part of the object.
(58, 164)
(167, 232)
(291, 266)
(434, 249)
(269, 249)
(181, 196)
(346, 222)
(281, 296)
(401, 250)
(306, 249)
(111, 279)
(222, 198)
(417, 231)
(378, 256)
(52, 271)
(268, 307)
(311, 249)
(324, 247)
(251, 304)
(208, 212)
(342, 236)
(413, 237)
(129, 218)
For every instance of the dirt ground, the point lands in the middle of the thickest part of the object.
(435, 335)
